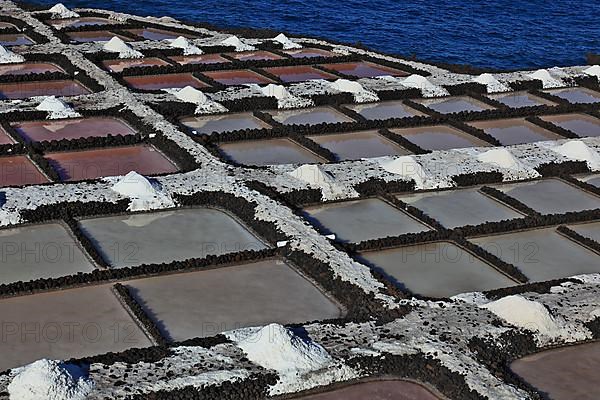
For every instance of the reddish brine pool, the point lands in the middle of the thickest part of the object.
(223, 123)
(164, 81)
(308, 52)
(98, 163)
(454, 104)
(254, 55)
(17, 39)
(94, 36)
(29, 68)
(19, 171)
(79, 22)
(5, 137)
(384, 110)
(158, 34)
(200, 59)
(38, 131)
(269, 152)
(120, 65)
(515, 131)
(237, 77)
(299, 73)
(365, 69)
(23, 90)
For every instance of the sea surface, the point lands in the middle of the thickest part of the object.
(504, 34)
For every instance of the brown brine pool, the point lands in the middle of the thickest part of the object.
(120, 65)
(19, 171)
(38, 131)
(440, 137)
(200, 59)
(520, 99)
(356, 145)
(94, 36)
(98, 163)
(254, 55)
(198, 304)
(298, 73)
(29, 68)
(23, 90)
(376, 390)
(309, 116)
(581, 124)
(17, 39)
(384, 110)
(365, 69)
(223, 123)
(455, 104)
(237, 77)
(515, 131)
(164, 81)
(308, 52)
(577, 95)
(566, 373)
(269, 152)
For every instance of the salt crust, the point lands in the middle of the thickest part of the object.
(493, 84)
(577, 150)
(8, 57)
(49, 380)
(117, 45)
(594, 70)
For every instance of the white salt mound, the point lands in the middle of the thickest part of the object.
(548, 81)
(237, 43)
(594, 70)
(277, 348)
(188, 48)
(313, 175)
(407, 167)
(8, 57)
(360, 93)
(500, 158)
(286, 42)
(144, 194)
(493, 84)
(56, 108)
(579, 151)
(191, 95)
(526, 314)
(49, 380)
(117, 45)
(277, 91)
(60, 11)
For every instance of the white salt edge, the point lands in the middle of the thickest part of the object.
(237, 43)
(276, 347)
(49, 380)
(524, 313)
(60, 11)
(500, 157)
(188, 48)
(405, 166)
(594, 70)
(287, 43)
(117, 45)
(8, 57)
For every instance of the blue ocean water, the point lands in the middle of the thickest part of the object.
(506, 34)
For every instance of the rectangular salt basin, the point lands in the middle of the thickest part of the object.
(454, 104)
(18, 39)
(384, 110)
(551, 196)
(577, 95)
(23, 90)
(269, 152)
(364, 69)
(4, 25)
(164, 81)
(40, 251)
(515, 131)
(79, 22)
(308, 52)
(5, 137)
(565, 373)
(165, 236)
(357, 145)
(114, 161)
(39, 131)
(439, 269)
(582, 124)
(29, 68)
(158, 34)
(204, 303)
(298, 73)
(541, 254)
(589, 230)
(520, 99)
(309, 116)
(200, 59)
(19, 171)
(377, 390)
(440, 137)
(94, 36)
(359, 220)
(254, 55)
(237, 77)
(223, 123)
(455, 208)
(120, 65)
(66, 324)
